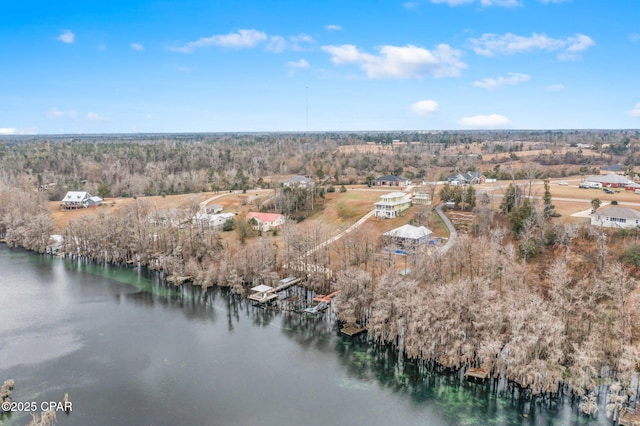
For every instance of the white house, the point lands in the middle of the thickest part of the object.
(421, 197)
(392, 205)
(408, 238)
(616, 217)
(298, 181)
(266, 221)
(79, 200)
(212, 221)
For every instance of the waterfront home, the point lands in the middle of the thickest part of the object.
(265, 221)
(408, 238)
(392, 205)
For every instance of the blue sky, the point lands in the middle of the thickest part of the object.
(257, 65)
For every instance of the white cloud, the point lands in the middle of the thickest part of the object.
(93, 116)
(555, 88)
(242, 39)
(508, 44)
(635, 112)
(411, 5)
(511, 79)
(137, 46)
(333, 27)
(492, 121)
(294, 66)
(56, 113)
(425, 107)
(246, 39)
(400, 61)
(67, 37)
(579, 43)
(276, 44)
(298, 64)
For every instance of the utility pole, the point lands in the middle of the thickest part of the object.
(307, 108)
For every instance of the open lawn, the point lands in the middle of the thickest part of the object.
(231, 202)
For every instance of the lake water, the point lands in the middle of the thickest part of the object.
(130, 351)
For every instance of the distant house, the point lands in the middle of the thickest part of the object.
(468, 178)
(613, 168)
(632, 186)
(616, 217)
(611, 180)
(298, 182)
(266, 221)
(391, 180)
(421, 196)
(392, 205)
(79, 200)
(408, 238)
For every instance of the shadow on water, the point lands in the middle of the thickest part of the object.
(461, 402)
(364, 363)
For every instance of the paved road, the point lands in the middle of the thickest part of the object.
(453, 234)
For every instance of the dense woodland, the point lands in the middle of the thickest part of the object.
(125, 166)
(549, 306)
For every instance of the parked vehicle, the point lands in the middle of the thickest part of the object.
(607, 190)
(563, 183)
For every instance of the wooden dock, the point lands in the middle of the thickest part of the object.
(477, 373)
(325, 298)
(629, 417)
(178, 280)
(286, 283)
(263, 294)
(352, 330)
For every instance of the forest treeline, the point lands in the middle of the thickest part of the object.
(137, 165)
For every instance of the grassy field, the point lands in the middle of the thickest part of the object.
(341, 209)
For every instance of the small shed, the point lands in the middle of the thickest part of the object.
(94, 201)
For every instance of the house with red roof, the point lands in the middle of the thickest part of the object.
(265, 221)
